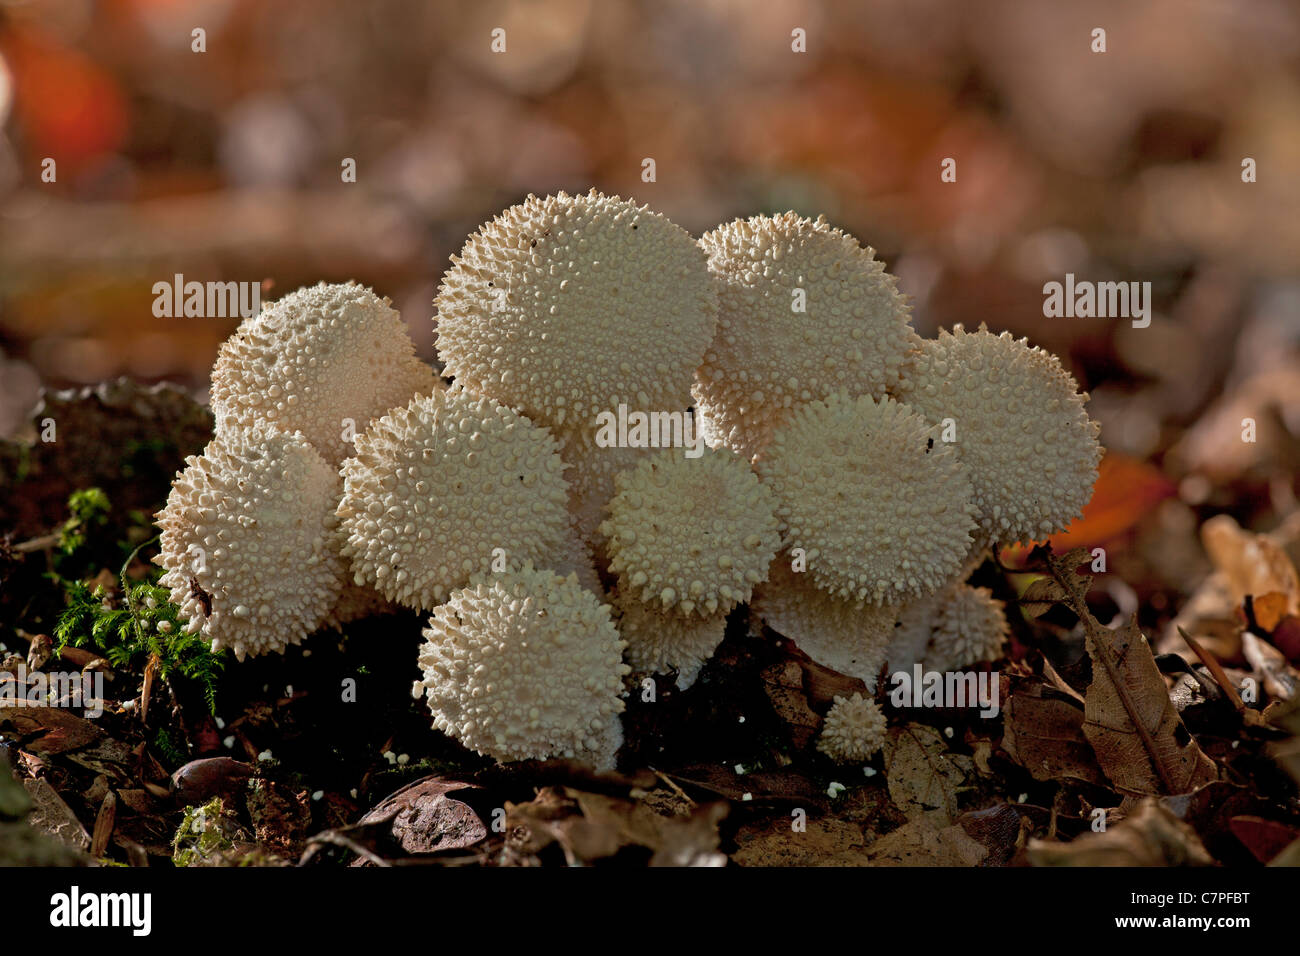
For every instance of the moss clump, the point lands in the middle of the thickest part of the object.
(140, 627)
(206, 835)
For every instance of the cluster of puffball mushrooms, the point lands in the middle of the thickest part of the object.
(850, 478)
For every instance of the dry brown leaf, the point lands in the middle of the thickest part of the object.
(1281, 680)
(592, 826)
(997, 828)
(1043, 732)
(1255, 564)
(784, 685)
(104, 821)
(1150, 836)
(423, 817)
(1133, 726)
(1265, 839)
(52, 816)
(1140, 741)
(923, 843)
(1211, 615)
(923, 777)
(823, 841)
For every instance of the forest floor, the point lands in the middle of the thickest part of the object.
(1116, 740)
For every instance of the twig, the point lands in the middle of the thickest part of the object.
(676, 789)
(1215, 669)
(338, 839)
(36, 544)
(151, 667)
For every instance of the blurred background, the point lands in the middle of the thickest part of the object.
(1123, 165)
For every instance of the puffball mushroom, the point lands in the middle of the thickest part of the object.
(249, 541)
(524, 665)
(881, 507)
(804, 312)
(315, 359)
(847, 636)
(854, 730)
(957, 627)
(691, 535)
(443, 488)
(591, 471)
(1021, 428)
(566, 306)
(659, 641)
(574, 557)
(967, 626)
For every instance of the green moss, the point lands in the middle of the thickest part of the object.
(141, 626)
(88, 513)
(205, 834)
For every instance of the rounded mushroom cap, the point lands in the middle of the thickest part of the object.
(524, 665)
(967, 626)
(314, 360)
(740, 428)
(854, 730)
(881, 507)
(957, 627)
(691, 535)
(249, 541)
(804, 312)
(591, 471)
(445, 488)
(569, 305)
(658, 642)
(911, 639)
(846, 636)
(1022, 431)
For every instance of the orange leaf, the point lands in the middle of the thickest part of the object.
(70, 108)
(1270, 608)
(1126, 489)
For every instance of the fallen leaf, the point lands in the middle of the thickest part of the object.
(1150, 836)
(783, 683)
(1043, 732)
(1140, 741)
(1286, 637)
(824, 841)
(423, 818)
(1280, 679)
(593, 826)
(1255, 564)
(923, 777)
(1265, 839)
(1126, 490)
(104, 822)
(996, 828)
(1270, 609)
(53, 817)
(49, 730)
(923, 843)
